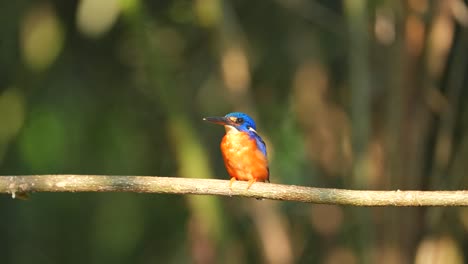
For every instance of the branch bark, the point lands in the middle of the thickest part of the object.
(144, 184)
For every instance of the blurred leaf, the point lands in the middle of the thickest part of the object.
(209, 12)
(12, 111)
(43, 141)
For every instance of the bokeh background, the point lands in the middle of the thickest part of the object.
(347, 94)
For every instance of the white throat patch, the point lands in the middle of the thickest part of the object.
(230, 129)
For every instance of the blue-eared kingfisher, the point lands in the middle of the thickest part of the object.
(244, 151)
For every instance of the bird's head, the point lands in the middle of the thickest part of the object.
(234, 122)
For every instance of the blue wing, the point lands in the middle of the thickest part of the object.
(262, 147)
(260, 144)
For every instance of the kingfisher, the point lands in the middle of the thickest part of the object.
(244, 151)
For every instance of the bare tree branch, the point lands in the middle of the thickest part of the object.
(144, 184)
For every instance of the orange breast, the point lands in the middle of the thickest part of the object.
(242, 158)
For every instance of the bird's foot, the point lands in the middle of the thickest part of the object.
(251, 182)
(231, 182)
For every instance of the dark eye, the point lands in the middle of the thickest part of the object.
(239, 120)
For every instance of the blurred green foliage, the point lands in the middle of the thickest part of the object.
(347, 94)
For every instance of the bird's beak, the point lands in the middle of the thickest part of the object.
(220, 120)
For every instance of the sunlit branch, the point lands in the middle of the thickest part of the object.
(15, 185)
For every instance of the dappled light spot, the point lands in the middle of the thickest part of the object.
(310, 87)
(459, 10)
(42, 37)
(235, 68)
(384, 26)
(439, 250)
(95, 18)
(440, 40)
(209, 12)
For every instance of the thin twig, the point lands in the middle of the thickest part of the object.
(170, 185)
